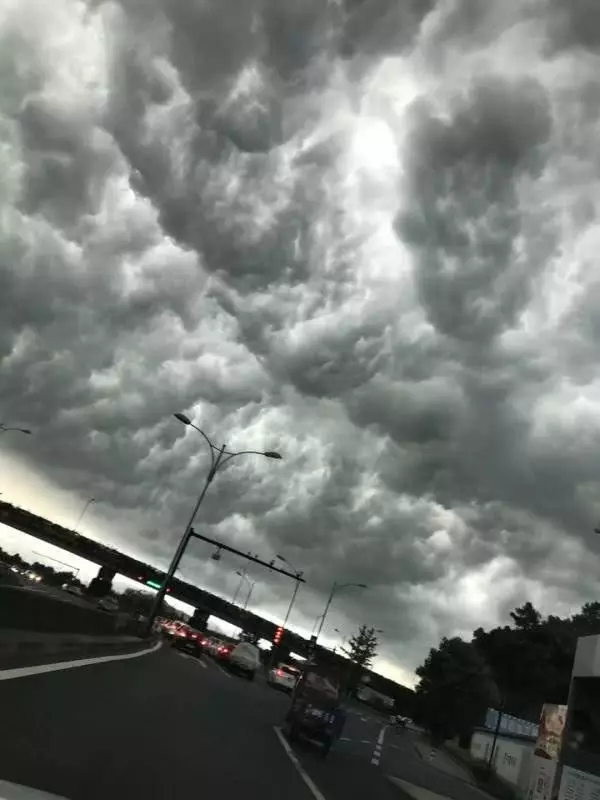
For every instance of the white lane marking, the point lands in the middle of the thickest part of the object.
(416, 792)
(191, 658)
(345, 739)
(218, 666)
(376, 757)
(314, 789)
(57, 666)
(365, 741)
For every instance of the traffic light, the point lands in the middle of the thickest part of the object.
(277, 636)
(157, 585)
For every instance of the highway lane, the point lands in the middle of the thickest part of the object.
(168, 726)
(159, 726)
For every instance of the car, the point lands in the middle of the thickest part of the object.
(108, 603)
(189, 640)
(173, 629)
(213, 645)
(72, 588)
(223, 651)
(218, 648)
(244, 659)
(284, 677)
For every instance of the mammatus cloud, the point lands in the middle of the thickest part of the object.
(362, 233)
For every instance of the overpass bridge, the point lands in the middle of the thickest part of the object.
(112, 562)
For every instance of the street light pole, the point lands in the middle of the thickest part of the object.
(252, 584)
(296, 587)
(216, 462)
(335, 588)
(6, 428)
(242, 575)
(81, 516)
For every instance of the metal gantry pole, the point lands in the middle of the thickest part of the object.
(183, 543)
(329, 599)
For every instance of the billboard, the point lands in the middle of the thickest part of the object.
(544, 763)
(552, 725)
(510, 725)
(577, 785)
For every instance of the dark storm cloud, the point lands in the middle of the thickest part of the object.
(574, 24)
(200, 213)
(466, 217)
(375, 27)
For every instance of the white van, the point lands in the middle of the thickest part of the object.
(245, 659)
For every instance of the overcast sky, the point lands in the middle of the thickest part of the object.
(361, 232)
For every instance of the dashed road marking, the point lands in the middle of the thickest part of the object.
(57, 666)
(314, 789)
(376, 757)
(191, 658)
(219, 667)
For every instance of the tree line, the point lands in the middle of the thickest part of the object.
(517, 667)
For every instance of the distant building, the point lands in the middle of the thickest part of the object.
(372, 697)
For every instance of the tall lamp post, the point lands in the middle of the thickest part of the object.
(242, 574)
(84, 509)
(6, 428)
(219, 456)
(299, 574)
(251, 584)
(344, 640)
(334, 590)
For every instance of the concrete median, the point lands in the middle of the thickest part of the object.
(36, 627)
(24, 609)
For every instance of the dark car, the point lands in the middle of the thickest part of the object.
(189, 641)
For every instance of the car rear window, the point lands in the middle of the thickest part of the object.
(247, 649)
(289, 670)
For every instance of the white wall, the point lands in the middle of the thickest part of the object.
(587, 657)
(512, 757)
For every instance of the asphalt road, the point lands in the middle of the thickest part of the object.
(165, 725)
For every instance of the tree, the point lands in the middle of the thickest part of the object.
(361, 650)
(455, 689)
(362, 647)
(526, 617)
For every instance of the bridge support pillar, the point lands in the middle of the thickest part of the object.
(102, 583)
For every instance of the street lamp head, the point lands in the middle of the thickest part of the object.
(272, 454)
(25, 430)
(361, 585)
(183, 418)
